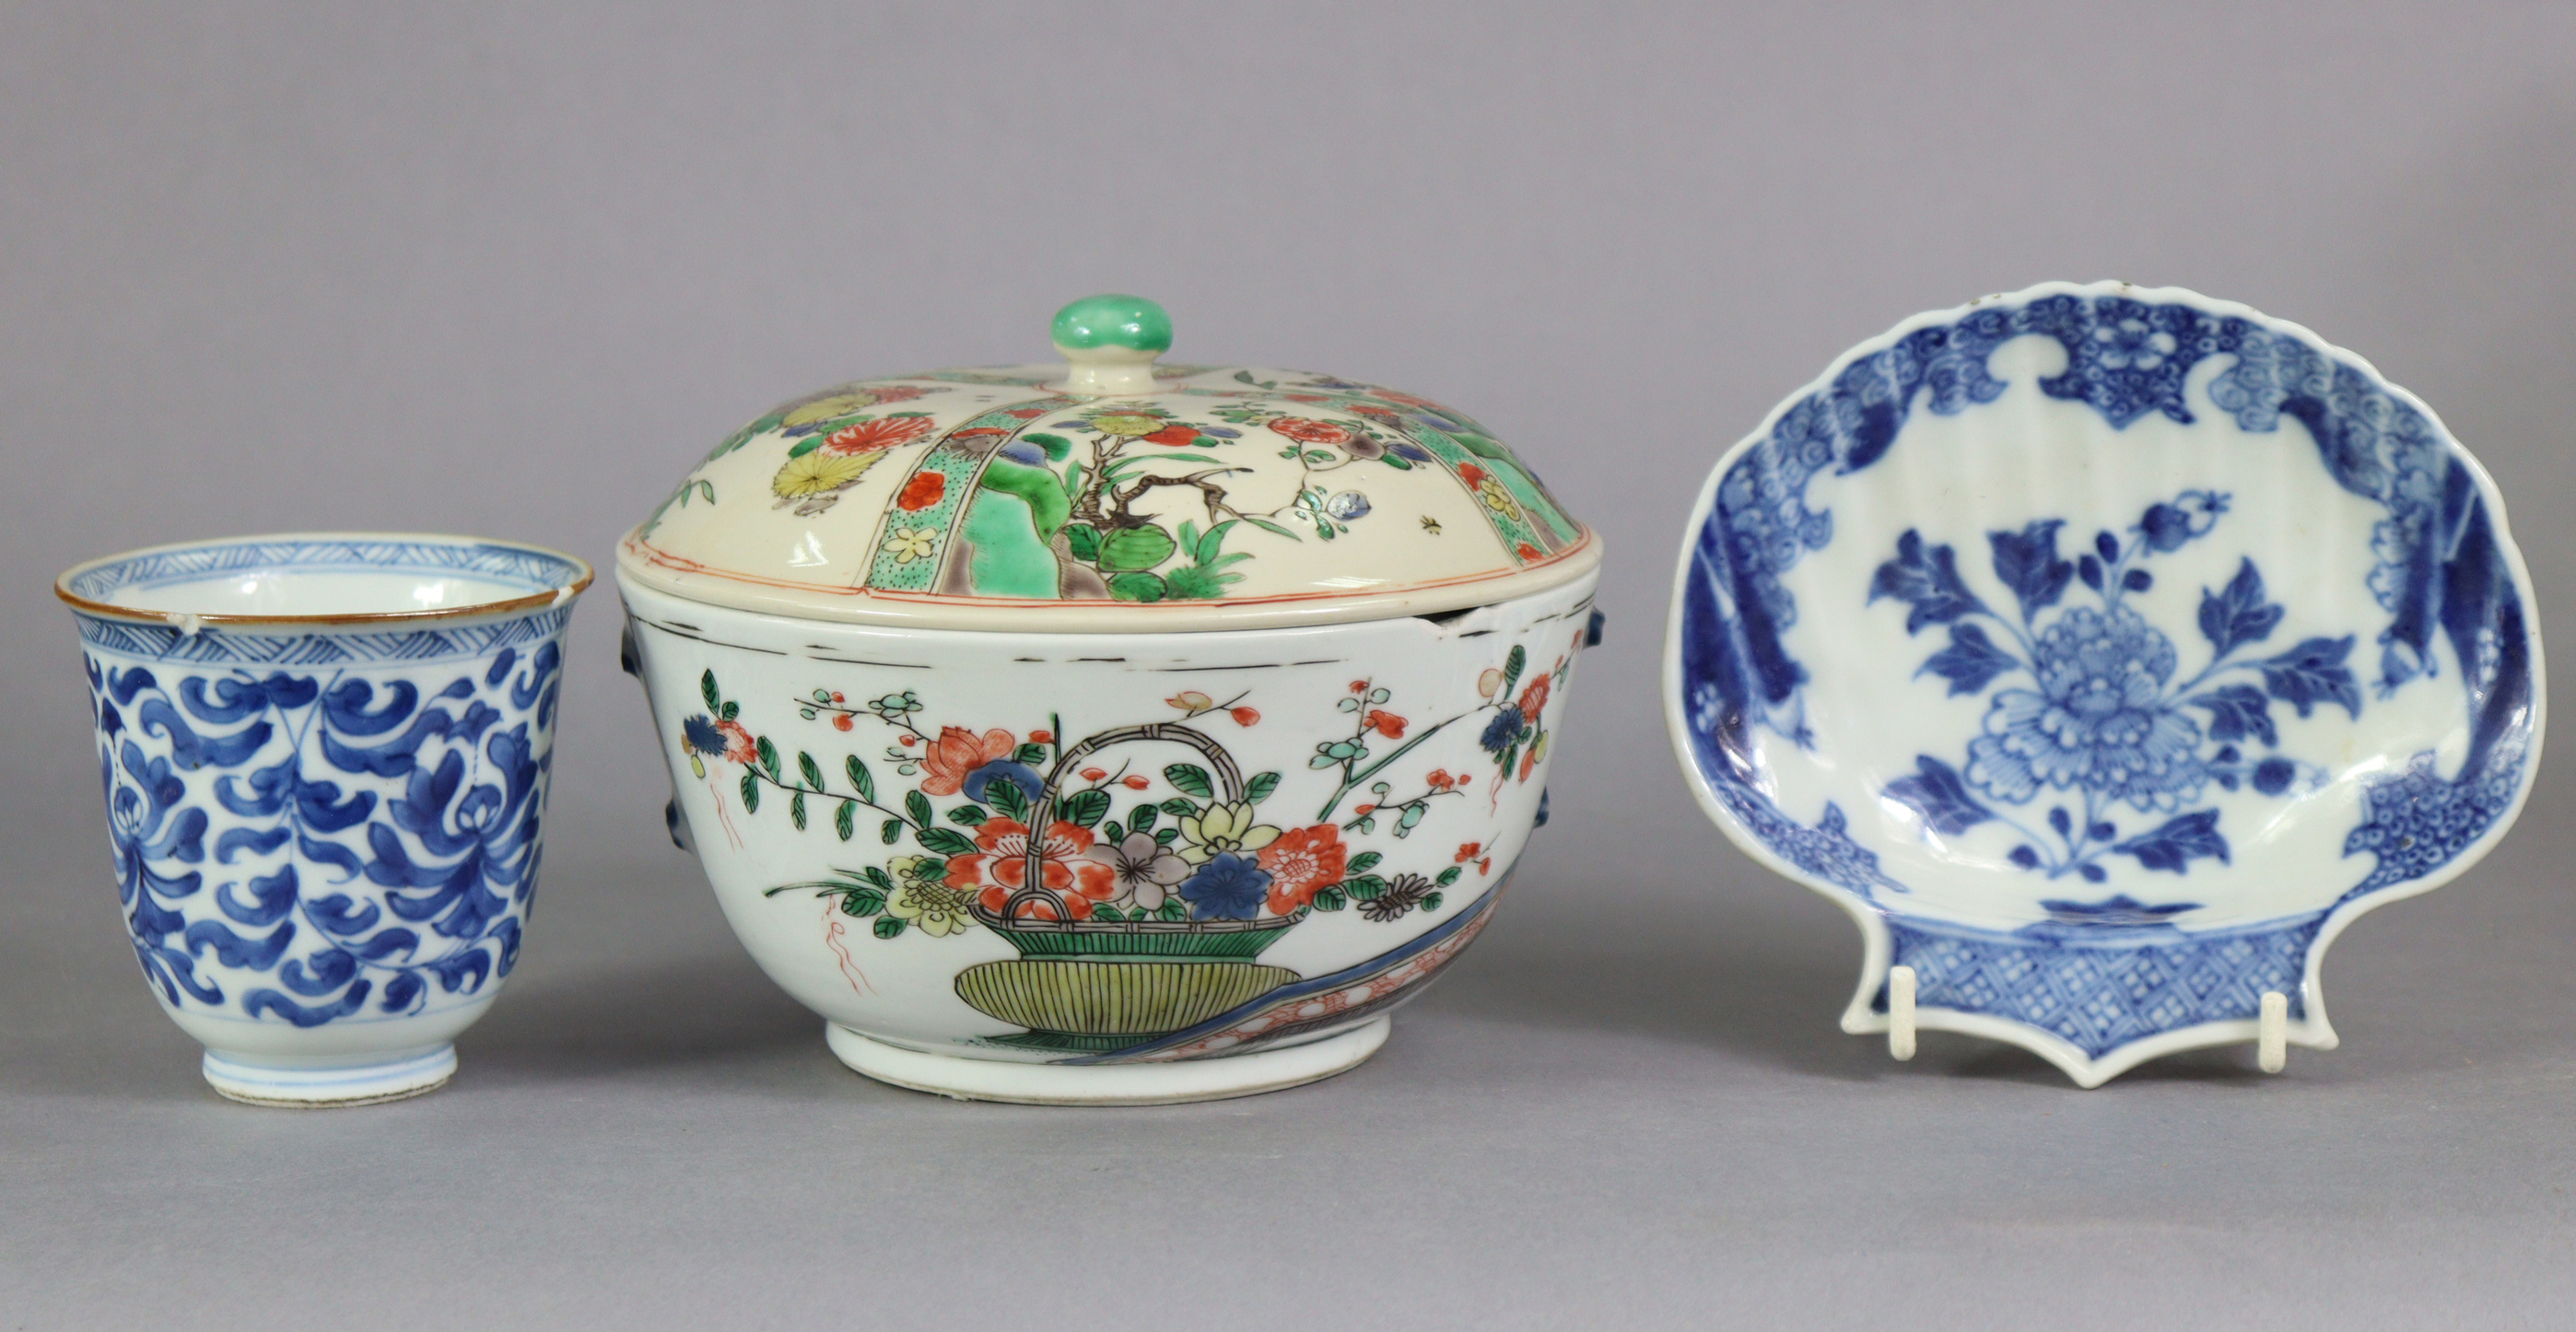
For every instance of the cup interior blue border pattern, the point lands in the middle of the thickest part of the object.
(517, 566)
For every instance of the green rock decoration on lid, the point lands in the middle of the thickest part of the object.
(1107, 492)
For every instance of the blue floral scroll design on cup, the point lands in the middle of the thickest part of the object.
(349, 839)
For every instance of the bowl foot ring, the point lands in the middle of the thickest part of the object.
(1108, 1084)
(340, 1085)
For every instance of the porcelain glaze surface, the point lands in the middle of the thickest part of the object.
(1077, 850)
(1193, 497)
(1142, 733)
(2104, 650)
(326, 832)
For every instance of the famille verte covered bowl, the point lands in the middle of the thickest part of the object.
(2105, 651)
(1107, 731)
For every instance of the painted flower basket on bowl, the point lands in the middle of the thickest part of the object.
(1028, 893)
(1101, 984)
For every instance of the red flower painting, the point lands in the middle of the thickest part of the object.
(922, 492)
(957, 753)
(999, 867)
(1306, 431)
(1302, 861)
(885, 432)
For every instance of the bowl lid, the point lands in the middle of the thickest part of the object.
(1108, 493)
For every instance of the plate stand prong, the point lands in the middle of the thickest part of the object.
(2272, 1035)
(1900, 1013)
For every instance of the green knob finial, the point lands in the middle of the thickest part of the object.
(1110, 343)
(1129, 322)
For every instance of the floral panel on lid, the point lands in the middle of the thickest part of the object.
(1109, 494)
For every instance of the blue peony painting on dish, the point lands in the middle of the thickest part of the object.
(2094, 711)
(2104, 650)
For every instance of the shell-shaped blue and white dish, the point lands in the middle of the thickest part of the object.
(2104, 651)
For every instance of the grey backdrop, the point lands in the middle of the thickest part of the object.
(505, 272)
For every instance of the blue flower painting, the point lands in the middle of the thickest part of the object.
(2090, 715)
(2116, 718)
(1228, 887)
(408, 820)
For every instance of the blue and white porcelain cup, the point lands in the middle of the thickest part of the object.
(325, 759)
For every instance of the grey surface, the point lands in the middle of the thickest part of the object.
(509, 273)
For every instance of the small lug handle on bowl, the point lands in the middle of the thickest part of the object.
(1110, 343)
(630, 659)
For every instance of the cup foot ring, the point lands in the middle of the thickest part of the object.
(315, 1088)
(1108, 1084)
